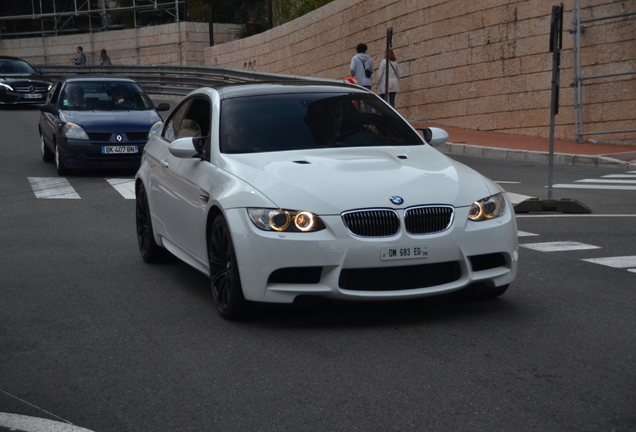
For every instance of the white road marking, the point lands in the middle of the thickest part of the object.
(591, 186)
(126, 187)
(53, 188)
(558, 246)
(619, 176)
(606, 181)
(27, 423)
(525, 234)
(517, 198)
(616, 262)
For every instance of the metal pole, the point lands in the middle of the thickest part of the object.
(211, 24)
(555, 48)
(389, 43)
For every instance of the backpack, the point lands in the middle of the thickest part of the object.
(367, 72)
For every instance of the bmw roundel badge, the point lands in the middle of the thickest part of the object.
(397, 200)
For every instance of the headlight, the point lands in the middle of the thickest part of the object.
(73, 131)
(487, 208)
(50, 87)
(285, 220)
(6, 87)
(155, 128)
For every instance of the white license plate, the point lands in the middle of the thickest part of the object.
(404, 252)
(119, 149)
(32, 96)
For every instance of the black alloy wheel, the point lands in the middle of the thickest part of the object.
(148, 247)
(224, 275)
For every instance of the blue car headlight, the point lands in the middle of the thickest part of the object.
(285, 220)
(73, 131)
(487, 208)
(155, 128)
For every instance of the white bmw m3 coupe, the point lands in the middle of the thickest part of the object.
(282, 190)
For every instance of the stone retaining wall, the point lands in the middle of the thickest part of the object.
(479, 64)
(158, 45)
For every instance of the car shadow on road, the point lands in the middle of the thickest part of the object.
(316, 312)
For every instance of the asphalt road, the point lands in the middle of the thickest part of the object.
(93, 336)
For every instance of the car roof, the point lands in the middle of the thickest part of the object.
(10, 58)
(277, 87)
(98, 78)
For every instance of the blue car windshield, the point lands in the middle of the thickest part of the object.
(105, 96)
(296, 121)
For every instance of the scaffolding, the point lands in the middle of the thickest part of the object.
(55, 22)
(579, 78)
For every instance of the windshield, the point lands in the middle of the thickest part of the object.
(88, 95)
(304, 121)
(15, 68)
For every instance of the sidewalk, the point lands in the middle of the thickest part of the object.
(528, 149)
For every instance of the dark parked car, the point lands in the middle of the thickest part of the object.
(20, 83)
(97, 122)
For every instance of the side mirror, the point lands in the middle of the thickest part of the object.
(47, 108)
(163, 107)
(435, 137)
(183, 148)
(187, 148)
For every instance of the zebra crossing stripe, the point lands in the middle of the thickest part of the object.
(53, 188)
(616, 262)
(593, 186)
(619, 176)
(517, 198)
(558, 246)
(525, 234)
(125, 187)
(623, 181)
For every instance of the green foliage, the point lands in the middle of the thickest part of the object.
(288, 10)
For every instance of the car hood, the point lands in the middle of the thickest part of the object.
(24, 80)
(112, 121)
(329, 181)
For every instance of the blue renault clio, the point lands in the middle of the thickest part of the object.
(97, 122)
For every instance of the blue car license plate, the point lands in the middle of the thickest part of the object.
(32, 96)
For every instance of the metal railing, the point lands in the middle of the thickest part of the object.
(578, 74)
(174, 80)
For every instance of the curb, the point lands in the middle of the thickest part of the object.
(533, 156)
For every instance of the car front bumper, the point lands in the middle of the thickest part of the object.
(333, 263)
(90, 155)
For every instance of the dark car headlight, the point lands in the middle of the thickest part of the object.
(6, 87)
(487, 208)
(285, 220)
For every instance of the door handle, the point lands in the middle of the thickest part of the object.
(164, 163)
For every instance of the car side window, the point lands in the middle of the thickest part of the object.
(173, 125)
(53, 95)
(196, 122)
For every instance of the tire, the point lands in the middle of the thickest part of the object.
(225, 281)
(47, 154)
(150, 251)
(59, 164)
(480, 291)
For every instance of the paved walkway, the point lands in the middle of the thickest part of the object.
(502, 146)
